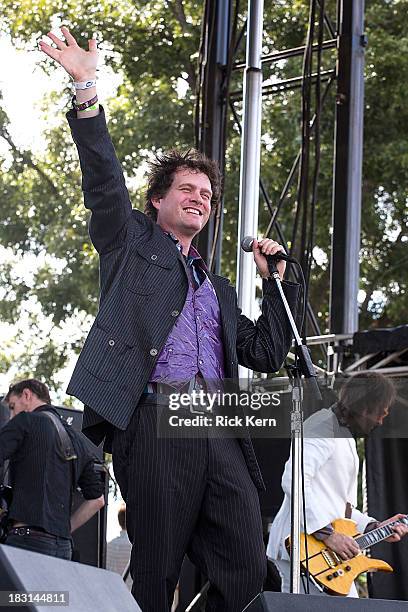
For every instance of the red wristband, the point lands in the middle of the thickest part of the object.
(84, 105)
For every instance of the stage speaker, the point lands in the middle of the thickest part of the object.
(87, 588)
(288, 602)
(74, 418)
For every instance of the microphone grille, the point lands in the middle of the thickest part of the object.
(246, 244)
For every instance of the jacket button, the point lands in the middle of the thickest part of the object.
(153, 352)
(175, 313)
(154, 257)
(111, 342)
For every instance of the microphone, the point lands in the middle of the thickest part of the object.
(246, 245)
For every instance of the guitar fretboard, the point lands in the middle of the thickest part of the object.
(380, 533)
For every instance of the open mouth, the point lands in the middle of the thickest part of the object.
(193, 211)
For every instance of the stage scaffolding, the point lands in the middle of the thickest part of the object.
(221, 42)
(339, 26)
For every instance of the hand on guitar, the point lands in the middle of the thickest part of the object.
(400, 530)
(343, 545)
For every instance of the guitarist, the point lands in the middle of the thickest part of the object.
(42, 476)
(331, 472)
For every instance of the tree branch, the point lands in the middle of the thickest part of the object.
(27, 159)
(178, 11)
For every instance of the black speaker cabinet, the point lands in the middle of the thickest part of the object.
(87, 588)
(287, 602)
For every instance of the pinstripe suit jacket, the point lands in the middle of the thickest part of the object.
(143, 286)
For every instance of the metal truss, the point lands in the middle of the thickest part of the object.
(220, 45)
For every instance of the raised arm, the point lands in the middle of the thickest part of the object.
(103, 184)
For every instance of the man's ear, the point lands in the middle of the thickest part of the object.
(27, 395)
(156, 202)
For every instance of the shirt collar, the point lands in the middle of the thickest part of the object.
(193, 257)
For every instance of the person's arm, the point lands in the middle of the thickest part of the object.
(103, 184)
(12, 436)
(86, 511)
(263, 346)
(317, 451)
(363, 520)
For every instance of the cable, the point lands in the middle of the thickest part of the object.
(302, 469)
(199, 80)
(316, 147)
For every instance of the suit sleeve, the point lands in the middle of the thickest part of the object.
(103, 183)
(263, 346)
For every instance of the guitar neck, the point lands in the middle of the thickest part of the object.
(379, 534)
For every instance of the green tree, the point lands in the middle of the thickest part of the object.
(154, 47)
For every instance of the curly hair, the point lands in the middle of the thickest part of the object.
(162, 170)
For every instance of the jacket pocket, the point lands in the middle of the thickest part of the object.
(104, 354)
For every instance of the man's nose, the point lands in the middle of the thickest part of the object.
(196, 197)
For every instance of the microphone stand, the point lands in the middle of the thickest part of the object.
(303, 366)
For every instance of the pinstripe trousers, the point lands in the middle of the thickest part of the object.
(188, 496)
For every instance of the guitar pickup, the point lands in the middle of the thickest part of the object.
(328, 558)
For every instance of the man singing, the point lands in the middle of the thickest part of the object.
(165, 322)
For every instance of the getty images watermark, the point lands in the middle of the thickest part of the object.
(203, 405)
(208, 401)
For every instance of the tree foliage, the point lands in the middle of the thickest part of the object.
(154, 46)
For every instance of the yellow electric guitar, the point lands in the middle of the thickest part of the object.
(333, 574)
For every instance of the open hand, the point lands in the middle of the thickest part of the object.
(80, 64)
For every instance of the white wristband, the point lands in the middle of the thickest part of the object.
(84, 84)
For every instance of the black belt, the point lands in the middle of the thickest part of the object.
(35, 531)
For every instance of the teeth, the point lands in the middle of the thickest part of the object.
(192, 210)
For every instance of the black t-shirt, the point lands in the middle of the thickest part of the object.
(41, 478)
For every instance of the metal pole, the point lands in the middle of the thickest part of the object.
(296, 486)
(213, 112)
(347, 169)
(250, 156)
